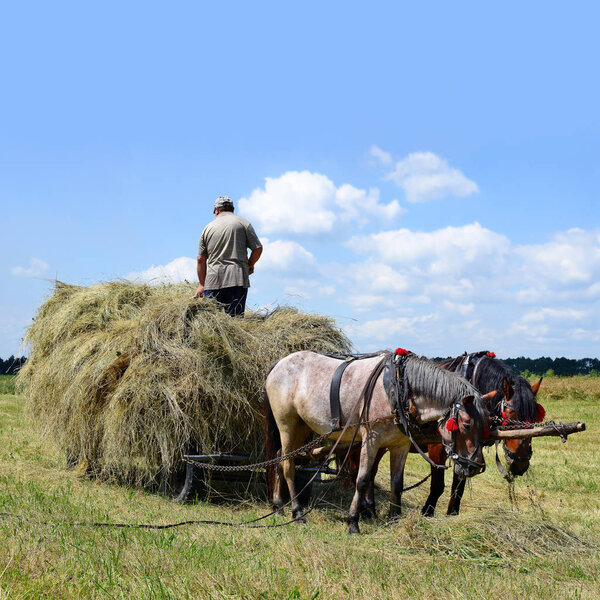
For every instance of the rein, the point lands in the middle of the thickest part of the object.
(464, 461)
(365, 395)
(398, 391)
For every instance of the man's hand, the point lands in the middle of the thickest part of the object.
(201, 270)
(254, 256)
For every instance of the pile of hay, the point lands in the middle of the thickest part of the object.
(125, 376)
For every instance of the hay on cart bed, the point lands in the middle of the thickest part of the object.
(126, 376)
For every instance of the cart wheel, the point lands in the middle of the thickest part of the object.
(185, 485)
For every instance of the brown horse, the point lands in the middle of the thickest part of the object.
(516, 402)
(297, 402)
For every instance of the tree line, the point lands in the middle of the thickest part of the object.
(526, 366)
(551, 366)
(11, 365)
(554, 366)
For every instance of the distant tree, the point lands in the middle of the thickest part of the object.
(11, 365)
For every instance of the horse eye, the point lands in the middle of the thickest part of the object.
(467, 426)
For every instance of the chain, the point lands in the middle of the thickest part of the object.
(514, 424)
(504, 425)
(261, 465)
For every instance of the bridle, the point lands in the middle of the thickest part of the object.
(450, 447)
(514, 455)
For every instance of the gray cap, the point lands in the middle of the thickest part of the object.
(222, 201)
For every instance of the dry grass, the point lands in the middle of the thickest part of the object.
(125, 377)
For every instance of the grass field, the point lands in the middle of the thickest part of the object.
(543, 540)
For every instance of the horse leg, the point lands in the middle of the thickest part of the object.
(438, 455)
(367, 455)
(290, 440)
(398, 456)
(458, 489)
(280, 492)
(368, 510)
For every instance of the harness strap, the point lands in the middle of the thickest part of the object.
(500, 466)
(334, 393)
(469, 364)
(398, 393)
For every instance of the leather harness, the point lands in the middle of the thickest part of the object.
(468, 370)
(398, 392)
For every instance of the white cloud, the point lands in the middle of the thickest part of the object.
(326, 290)
(425, 176)
(379, 277)
(382, 156)
(36, 268)
(570, 258)
(452, 251)
(461, 309)
(178, 270)
(282, 256)
(361, 206)
(309, 203)
(544, 314)
(479, 283)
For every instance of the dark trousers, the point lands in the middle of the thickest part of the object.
(233, 299)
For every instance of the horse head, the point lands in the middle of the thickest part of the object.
(463, 429)
(519, 404)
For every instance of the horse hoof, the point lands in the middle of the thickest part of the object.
(393, 518)
(299, 518)
(353, 528)
(428, 511)
(368, 514)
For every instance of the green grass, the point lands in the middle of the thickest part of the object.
(7, 384)
(543, 543)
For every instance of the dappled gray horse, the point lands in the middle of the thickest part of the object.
(297, 401)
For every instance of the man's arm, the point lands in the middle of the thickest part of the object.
(201, 270)
(254, 256)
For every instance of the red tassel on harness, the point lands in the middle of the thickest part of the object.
(541, 413)
(452, 425)
(401, 352)
(490, 354)
(505, 417)
(486, 432)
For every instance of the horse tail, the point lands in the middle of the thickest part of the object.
(272, 444)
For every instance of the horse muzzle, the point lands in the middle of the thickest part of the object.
(467, 467)
(516, 462)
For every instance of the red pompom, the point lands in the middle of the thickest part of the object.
(452, 425)
(541, 413)
(401, 352)
(486, 432)
(490, 354)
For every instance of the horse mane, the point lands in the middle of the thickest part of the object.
(443, 387)
(489, 374)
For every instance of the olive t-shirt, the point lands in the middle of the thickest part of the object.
(224, 242)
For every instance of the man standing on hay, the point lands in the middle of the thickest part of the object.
(223, 265)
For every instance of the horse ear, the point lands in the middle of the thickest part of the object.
(467, 401)
(487, 398)
(507, 390)
(536, 386)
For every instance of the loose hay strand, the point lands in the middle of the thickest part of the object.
(125, 377)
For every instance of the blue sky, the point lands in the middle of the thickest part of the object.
(427, 173)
